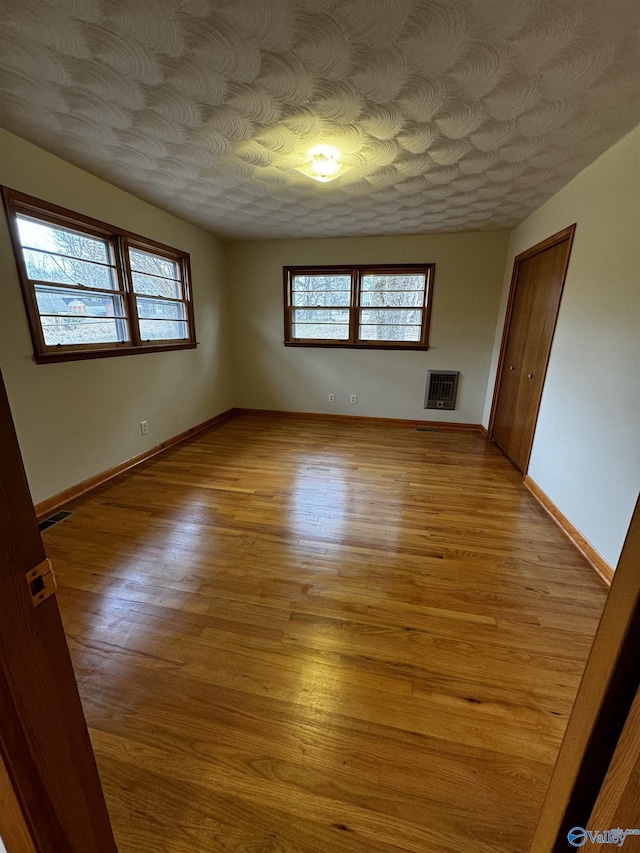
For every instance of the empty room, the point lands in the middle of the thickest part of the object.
(319, 416)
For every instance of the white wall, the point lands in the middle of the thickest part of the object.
(79, 418)
(391, 384)
(586, 451)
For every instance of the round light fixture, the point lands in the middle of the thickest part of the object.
(323, 164)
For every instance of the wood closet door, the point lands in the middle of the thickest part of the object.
(45, 751)
(536, 289)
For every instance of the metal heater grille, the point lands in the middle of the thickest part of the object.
(442, 389)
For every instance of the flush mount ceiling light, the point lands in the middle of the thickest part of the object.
(323, 164)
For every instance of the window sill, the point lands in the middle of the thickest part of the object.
(79, 355)
(343, 345)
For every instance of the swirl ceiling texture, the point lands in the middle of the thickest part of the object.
(453, 114)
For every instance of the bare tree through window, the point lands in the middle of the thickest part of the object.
(358, 306)
(93, 290)
(71, 315)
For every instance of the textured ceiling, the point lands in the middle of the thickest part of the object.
(455, 114)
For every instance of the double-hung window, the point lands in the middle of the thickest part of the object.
(375, 307)
(92, 290)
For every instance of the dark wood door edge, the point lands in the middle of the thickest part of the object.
(604, 698)
(616, 704)
(44, 741)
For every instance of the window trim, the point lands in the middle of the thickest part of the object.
(17, 203)
(355, 271)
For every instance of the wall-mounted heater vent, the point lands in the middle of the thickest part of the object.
(442, 388)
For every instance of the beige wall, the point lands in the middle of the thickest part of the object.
(79, 418)
(389, 384)
(586, 451)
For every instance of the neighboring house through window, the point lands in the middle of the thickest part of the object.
(94, 290)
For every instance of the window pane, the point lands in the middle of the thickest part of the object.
(390, 316)
(391, 307)
(320, 331)
(389, 333)
(161, 310)
(392, 298)
(329, 281)
(44, 267)
(153, 264)
(305, 315)
(41, 235)
(320, 324)
(68, 331)
(154, 286)
(163, 330)
(63, 302)
(393, 281)
(322, 297)
(330, 289)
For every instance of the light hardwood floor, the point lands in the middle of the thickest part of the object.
(300, 636)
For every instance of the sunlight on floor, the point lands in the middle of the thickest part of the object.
(318, 499)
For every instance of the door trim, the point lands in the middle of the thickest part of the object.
(560, 237)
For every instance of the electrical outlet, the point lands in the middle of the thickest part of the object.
(144, 427)
(332, 398)
(353, 398)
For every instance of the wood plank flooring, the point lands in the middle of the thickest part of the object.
(300, 636)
